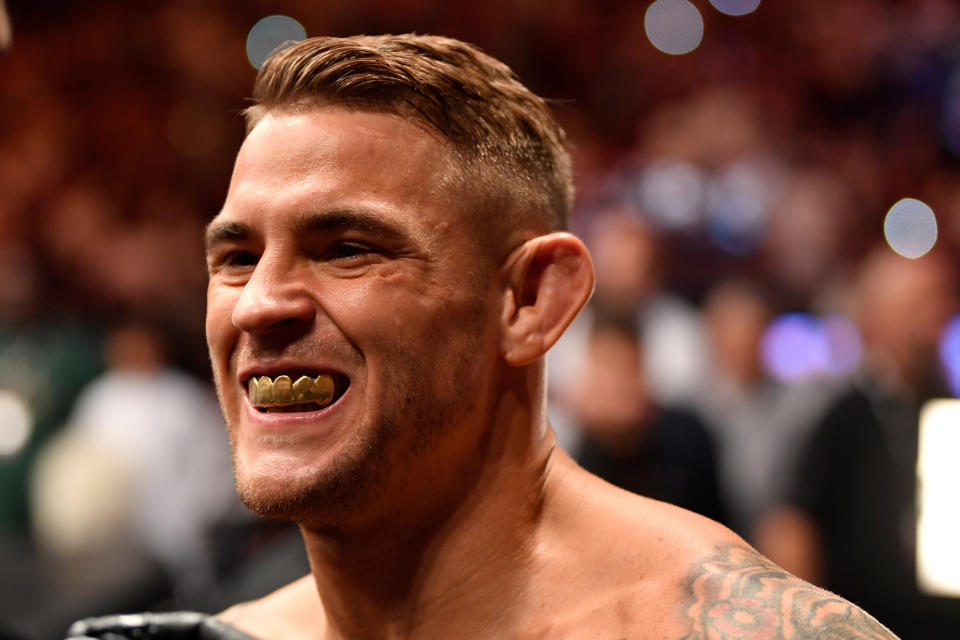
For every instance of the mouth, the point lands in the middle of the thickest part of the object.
(296, 392)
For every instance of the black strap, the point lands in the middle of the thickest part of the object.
(178, 625)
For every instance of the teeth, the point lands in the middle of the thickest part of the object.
(303, 389)
(282, 390)
(324, 389)
(263, 391)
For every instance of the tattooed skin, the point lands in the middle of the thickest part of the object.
(739, 595)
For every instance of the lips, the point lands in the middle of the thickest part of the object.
(294, 393)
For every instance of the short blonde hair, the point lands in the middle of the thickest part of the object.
(502, 133)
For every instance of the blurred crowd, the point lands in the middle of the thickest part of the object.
(720, 191)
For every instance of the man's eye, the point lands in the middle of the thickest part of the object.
(239, 259)
(347, 250)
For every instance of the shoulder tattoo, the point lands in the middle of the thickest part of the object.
(739, 595)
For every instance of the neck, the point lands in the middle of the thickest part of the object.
(460, 560)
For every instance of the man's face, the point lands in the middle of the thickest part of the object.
(337, 258)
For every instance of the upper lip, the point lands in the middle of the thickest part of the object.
(274, 369)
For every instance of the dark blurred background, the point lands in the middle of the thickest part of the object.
(741, 170)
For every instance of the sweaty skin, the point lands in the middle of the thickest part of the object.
(651, 572)
(432, 498)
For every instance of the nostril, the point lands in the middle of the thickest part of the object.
(281, 325)
(272, 310)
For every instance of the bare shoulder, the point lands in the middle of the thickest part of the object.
(676, 575)
(734, 592)
(289, 613)
(726, 590)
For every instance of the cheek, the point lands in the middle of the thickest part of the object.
(391, 305)
(219, 310)
(219, 328)
(406, 324)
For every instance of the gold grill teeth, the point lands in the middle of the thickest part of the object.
(282, 390)
(303, 389)
(265, 394)
(265, 391)
(323, 386)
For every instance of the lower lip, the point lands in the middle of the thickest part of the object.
(280, 419)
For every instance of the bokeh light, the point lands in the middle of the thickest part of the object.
(938, 521)
(910, 228)
(736, 209)
(269, 34)
(950, 354)
(794, 347)
(735, 7)
(671, 192)
(674, 26)
(16, 423)
(799, 346)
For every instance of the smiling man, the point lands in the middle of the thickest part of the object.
(387, 274)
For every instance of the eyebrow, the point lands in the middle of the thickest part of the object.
(218, 232)
(333, 220)
(347, 218)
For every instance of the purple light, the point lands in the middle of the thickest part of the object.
(798, 347)
(950, 354)
(793, 348)
(735, 7)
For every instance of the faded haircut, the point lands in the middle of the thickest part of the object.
(509, 149)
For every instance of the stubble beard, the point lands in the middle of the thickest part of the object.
(353, 479)
(361, 475)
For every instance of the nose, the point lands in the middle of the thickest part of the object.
(273, 299)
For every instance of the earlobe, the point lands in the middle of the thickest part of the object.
(549, 279)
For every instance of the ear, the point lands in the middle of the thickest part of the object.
(549, 278)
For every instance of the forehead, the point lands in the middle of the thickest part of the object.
(296, 162)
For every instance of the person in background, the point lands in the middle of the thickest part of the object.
(629, 269)
(631, 440)
(138, 477)
(46, 359)
(759, 423)
(850, 521)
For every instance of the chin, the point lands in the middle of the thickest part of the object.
(329, 489)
